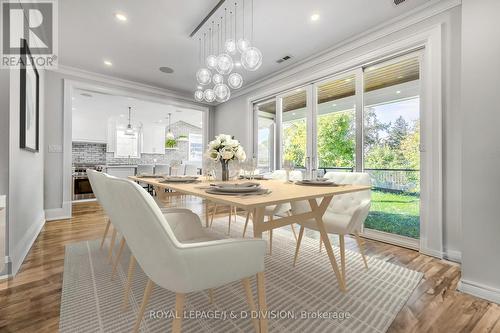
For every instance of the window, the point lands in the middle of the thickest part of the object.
(127, 145)
(266, 117)
(195, 147)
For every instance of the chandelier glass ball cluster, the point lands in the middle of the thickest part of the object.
(221, 52)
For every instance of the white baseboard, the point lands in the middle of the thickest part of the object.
(62, 213)
(24, 245)
(479, 290)
(452, 255)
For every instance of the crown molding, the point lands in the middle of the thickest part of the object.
(123, 83)
(430, 9)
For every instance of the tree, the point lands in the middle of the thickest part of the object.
(294, 142)
(336, 140)
(397, 133)
(373, 129)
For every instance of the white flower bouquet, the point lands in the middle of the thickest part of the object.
(225, 148)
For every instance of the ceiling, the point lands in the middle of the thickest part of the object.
(157, 34)
(97, 105)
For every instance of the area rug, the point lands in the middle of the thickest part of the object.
(301, 299)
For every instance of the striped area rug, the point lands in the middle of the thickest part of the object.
(301, 299)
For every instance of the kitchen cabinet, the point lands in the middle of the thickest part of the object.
(121, 171)
(153, 139)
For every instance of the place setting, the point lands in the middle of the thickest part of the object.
(180, 179)
(237, 189)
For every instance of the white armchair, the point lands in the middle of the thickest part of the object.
(345, 214)
(181, 257)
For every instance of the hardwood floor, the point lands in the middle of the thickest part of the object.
(30, 302)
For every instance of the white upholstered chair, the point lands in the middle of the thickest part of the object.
(277, 210)
(162, 169)
(191, 265)
(345, 214)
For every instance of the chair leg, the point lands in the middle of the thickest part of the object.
(246, 224)
(213, 214)
(250, 301)
(229, 223)
(117, 259)
(131, 268)
(105, 233)
(145, 300)
(320, 245)
(261, 296)
(211, 295)
(179, 309)
(270, 237)
(299, 240)
(342, 256)
(293, 231)
(111, 246)
(361, 248)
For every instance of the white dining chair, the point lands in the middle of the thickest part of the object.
(190, 170)
(183, 267)
(345, 214)
(277, 210)
(145, 169)
(162, 169)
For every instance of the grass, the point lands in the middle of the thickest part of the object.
(396, 213)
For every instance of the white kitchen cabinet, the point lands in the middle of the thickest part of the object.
(121, 171)
(153, 139)
(111, 136)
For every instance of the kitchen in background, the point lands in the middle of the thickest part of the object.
(116, 134)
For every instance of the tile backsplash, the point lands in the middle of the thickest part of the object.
(89, 153)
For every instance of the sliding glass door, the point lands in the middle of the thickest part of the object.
(365, 120)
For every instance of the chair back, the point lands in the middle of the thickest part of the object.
(145, 169)
(97, 180)
(162, 169)
(347, 203)
(191, 170)
(281, 175)
(148, 235)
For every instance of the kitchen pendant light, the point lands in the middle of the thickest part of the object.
(170, 135)
(222, 92)
(198, 95)
(129, 130)
(235, 80)
(217, 78)
(209, 95)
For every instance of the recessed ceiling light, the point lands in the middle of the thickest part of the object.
(121, 17)
(314, 17)
(398, 92)
(334, 104)
(74, 109)
(166, 70)
(347, 80)
(237, 64)
(401, 76)
(293, 114)
(108, 63)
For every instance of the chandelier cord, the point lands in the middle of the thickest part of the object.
(243, 19)
(251, 36)
(235, 21)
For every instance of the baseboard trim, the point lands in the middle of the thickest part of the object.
(453, 255)
(21, 250)
(479, 290)
(62, 213)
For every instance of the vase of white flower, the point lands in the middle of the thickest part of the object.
(225, 148)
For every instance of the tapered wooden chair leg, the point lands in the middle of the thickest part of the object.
(112, 245)
(211, 295)
(320, 245)
(246, 224)
(179, 309)
(250, 301)
(299, 240)
(293, 231)
(361, 248)
(342, 256)
(131, 268)
(145, 300)
(105, 233)
(117, 259)
(231, 210)
(271, 242)
(261, 296)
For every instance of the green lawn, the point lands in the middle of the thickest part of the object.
(395, 213)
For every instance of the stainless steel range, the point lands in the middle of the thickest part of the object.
(81, 184)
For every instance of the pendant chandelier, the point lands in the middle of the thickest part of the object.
(223, 52)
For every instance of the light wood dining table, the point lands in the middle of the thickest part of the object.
(280, 192)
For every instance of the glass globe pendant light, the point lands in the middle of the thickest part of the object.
(211, 60)
(251, 59)
(222, 92)
(230, 44)
(198, 95)
(243, 44)
(217, 78)
(209, 95)
(224, 64)
(235, 80)
(203, 76)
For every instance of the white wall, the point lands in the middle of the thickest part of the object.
(481, 148)
(4, 157)
(26, 213)
(234, 116)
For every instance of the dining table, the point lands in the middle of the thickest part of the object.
(279, 192)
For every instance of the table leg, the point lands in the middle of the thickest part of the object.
(258, 221)
(320, 210)
(207, 220)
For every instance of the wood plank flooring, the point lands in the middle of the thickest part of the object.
(30, 302)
